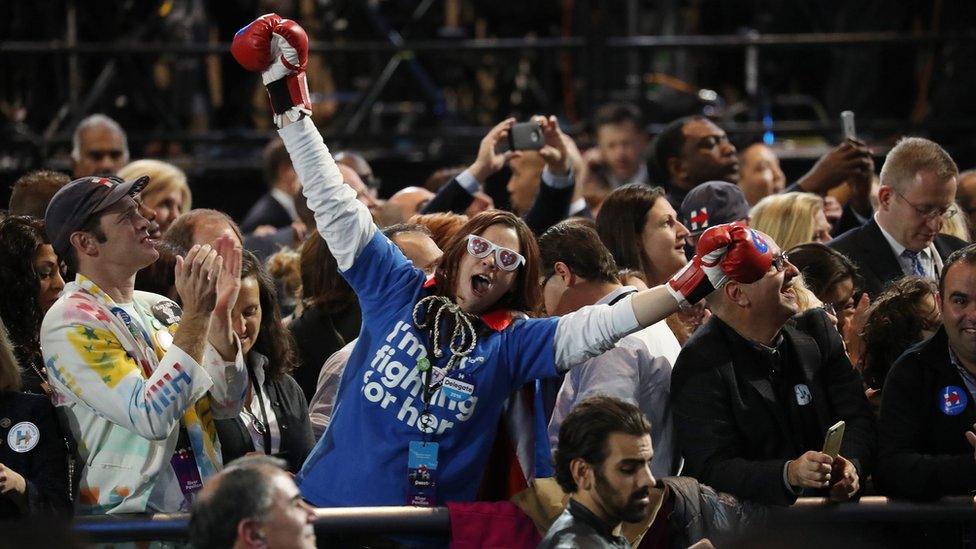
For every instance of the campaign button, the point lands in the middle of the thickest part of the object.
(802, 392)
(23, 437)
(952, 400)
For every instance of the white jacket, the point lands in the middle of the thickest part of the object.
(123, 397)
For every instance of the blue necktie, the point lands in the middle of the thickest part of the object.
(916, 262)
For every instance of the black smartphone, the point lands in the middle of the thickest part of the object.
(524, 136)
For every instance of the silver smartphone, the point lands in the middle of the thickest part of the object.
(834, 438)
(847, 123)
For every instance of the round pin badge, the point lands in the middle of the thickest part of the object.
(167, 312)
(164, 339)
(124, 316)
(23, 437)
(802, 392)
(952, 400)
(5, 422)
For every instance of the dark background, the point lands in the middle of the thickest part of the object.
(912, 73)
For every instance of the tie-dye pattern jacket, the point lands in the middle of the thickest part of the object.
(124, 392)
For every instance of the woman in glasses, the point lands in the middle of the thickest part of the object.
(30, 275)
(436, 359)
(274, 418)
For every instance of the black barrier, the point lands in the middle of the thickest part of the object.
(384, 520)
(811, 512)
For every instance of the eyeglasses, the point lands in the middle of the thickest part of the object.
(507, 260)
(780, 261)
(932, 212)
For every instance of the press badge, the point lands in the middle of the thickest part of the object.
(422, 473)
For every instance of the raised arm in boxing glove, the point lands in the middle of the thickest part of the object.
(278, 49)
(730, 251)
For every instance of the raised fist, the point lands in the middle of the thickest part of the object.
(748, 257)
(724, 251)
(278, 48)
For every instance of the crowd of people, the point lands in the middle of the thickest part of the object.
(657, 323)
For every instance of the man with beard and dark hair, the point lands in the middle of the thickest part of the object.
(603, 462)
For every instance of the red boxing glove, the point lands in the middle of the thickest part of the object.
(724, 251)
(748, 258)
(279, 49)
(252, 44)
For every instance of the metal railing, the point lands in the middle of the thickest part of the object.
(412, 520)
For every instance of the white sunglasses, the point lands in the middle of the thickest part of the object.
(507, 260)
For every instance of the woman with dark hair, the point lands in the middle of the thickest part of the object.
(426, 383)
(34, 473)
(30, 275)
(330, 315)
(830, 276)
(905, 313)
(274, 417)
(641, 229)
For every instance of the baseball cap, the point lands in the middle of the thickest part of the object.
(712, 203)
(76, 202)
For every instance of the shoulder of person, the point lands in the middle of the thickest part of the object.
(850, 238)
(30, 403)
(950, 242)
(929, 354)
(290, 386)
(74, 307)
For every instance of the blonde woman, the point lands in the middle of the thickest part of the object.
(167, 192)
(955, 224)
(791, 219)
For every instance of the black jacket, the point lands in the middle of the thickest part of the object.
(41, 461)
(291, 412)
(319, 333)
(924, 451)
(577, 526)
(551, 205)
(870, 251)
(266, 211)
(734, 430)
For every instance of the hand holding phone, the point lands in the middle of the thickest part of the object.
(847, 123)
(834, 438)
(524, 136)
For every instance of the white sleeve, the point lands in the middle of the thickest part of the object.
(590, 331)
(343, 221)
(229, 381)
(327, 389)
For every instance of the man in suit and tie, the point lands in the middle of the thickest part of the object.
(917, 195)
(755, 389)
(276, 209)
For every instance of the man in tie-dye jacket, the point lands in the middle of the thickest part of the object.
(139, 380)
